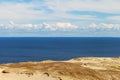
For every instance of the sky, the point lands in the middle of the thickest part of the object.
(59, 18)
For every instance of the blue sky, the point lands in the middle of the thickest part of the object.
(59, 18)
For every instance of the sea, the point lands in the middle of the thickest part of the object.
(24, 49)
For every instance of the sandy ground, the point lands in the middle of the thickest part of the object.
(87, 68)
(17, 76)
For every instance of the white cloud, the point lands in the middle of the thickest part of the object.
(104, 26)
(62, 26)
(49, 27)
(93, 25)
(66, 26)
(59, 26)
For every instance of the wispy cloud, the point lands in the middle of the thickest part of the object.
(108, 6)
(114, 18)
(93, 13)
(20, 10)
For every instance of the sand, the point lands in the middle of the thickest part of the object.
(86, 68)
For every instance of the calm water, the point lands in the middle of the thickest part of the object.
(36, 49)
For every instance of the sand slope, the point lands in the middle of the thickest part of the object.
(87, 68)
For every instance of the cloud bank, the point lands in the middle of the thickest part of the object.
(59, 26)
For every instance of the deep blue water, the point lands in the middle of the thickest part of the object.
(36, 49)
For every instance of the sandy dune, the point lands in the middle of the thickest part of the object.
(87, 68)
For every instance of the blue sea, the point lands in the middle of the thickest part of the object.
(21, 49)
